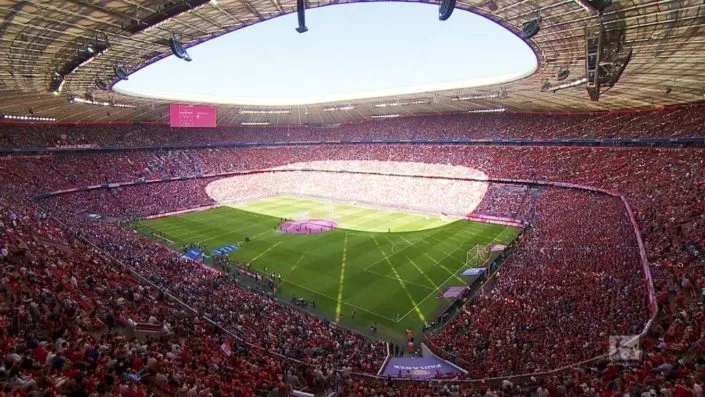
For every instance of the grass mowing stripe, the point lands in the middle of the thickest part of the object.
(505, 240)
(342, 278)
(452, 273)
(298, 261)
(332, 298)
(401, 281)
(430, 248)
(195, 229)
(348, 216)
(440, 262)
(265, 251)
(416, 266)
(396, 279)
(424, 300)
(261, 234)
(422, 240)
(421, 271)
(366, 220)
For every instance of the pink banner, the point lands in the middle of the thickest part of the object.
(183, 115)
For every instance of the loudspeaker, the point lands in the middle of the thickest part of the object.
(300, 11)
(120, 73)
(530, 28)
(178, 49)
(446, 9)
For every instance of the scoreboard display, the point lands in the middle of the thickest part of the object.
(184, 115)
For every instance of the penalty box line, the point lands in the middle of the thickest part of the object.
(437, 262)
(424, 299)
(435, 290)
(395, 279)
(394, 253)
(419, 241)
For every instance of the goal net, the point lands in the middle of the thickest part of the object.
(478, 256)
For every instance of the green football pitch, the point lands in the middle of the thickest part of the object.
(387, 267)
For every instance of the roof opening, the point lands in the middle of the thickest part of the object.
(351, 51)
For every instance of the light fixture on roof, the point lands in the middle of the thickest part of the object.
(84, 53)
(255, 123)
(572, 84)
(384, 116)
(301, 14)
(495, 110)
(265, 111)
(111, 103)
(121, 72)
(57, 83)
(28, 118)
(562, 74)
(502, 93)
(403, 103)
(177, 48)
(445, 10)
(169, 10)
(337, 108)
(492, 6)
(531, 27)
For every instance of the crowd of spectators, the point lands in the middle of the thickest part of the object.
(377, 183)
(63, 296)
(505, 201)
(574, 280)
(679, 121)
(537, 315)
(135, 201)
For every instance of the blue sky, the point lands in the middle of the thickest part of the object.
(351, 51)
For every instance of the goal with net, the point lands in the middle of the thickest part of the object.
(478, 256)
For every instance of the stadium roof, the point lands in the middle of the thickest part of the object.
(45, 44)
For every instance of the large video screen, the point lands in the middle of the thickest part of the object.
(183, 115)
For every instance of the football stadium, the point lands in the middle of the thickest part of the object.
(296, 198)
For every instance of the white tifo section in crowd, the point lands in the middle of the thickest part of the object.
(419, 194)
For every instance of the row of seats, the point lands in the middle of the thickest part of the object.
(680, 121)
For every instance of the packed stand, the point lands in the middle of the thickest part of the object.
(676, 121)
(665, 187)
(134, 201)
(536, 316)
(71, 316)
